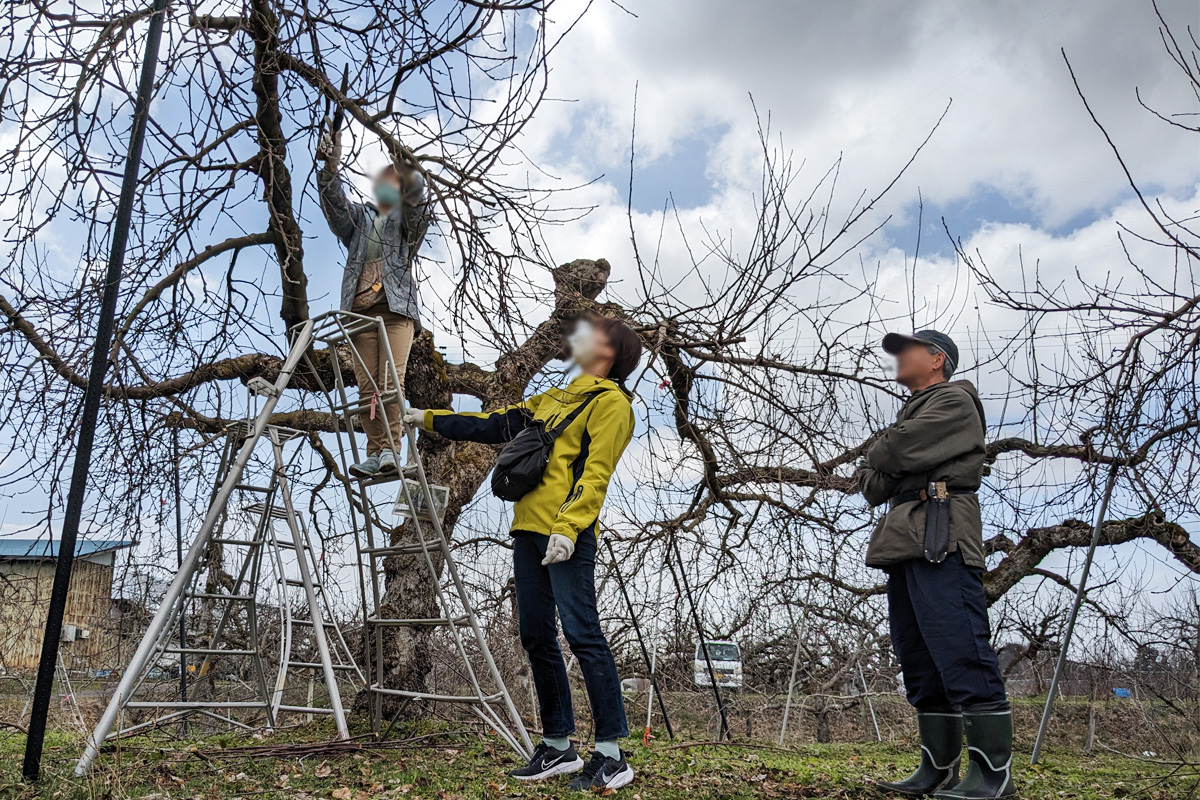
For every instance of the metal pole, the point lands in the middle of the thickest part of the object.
(91, 402)
(641, 642)
(870, 705)
(787, 707)
(654, 660)
(1097, 528)
(712, 675)
(162, 616)
(183, 683)
(800, 628)
(303, 552)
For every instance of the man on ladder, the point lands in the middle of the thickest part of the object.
(381, 240)
(928, 467)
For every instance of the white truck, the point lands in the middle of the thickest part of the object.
(726, 660)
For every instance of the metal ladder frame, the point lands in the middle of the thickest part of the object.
(337, 328)
(331, 329)
(158, 636)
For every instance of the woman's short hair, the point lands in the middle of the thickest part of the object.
(626, 346)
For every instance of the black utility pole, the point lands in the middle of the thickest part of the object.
(91, 402)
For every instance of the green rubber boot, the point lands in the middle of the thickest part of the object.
(989, 750)
(941, 749)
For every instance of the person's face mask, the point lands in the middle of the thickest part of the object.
(583, 345)
(387, 193)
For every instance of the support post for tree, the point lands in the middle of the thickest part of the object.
(787, 706)
(637, 629)
(1097, 528)
(183, 682)
(712, 675)
(91, 402)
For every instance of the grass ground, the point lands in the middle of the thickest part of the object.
(435, 764)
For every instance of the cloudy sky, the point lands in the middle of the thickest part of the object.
(868, 81)
(1016, 168)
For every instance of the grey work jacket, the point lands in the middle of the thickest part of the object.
(402, 232)
(938, 436)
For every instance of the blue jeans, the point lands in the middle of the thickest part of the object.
(569, 586)
(939, 622)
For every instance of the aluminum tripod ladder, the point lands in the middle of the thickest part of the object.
(420, 537)
(283, 564)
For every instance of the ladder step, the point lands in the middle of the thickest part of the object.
(400, 550)
(245, 598)
(258, 508)
(242, 542)
(298, 582)
(245, 487)
(195, 704)
(305, 710)
(438, 698)
(310, 624)
(207, 651)
(417, 623)
(318, 665)
(338, 333)
(363, 405)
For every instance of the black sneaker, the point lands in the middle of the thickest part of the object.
(603, 773)
(548, 762)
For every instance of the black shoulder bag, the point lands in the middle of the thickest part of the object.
(522, 463)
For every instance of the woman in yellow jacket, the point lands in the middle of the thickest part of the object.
(554, 545)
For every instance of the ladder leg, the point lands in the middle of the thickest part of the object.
(141, 655)
(314, 611)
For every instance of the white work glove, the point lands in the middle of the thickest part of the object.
(329, 146)
(558, 550)
(414, 417)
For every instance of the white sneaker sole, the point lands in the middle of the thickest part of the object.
(562, 768)
(622, 778)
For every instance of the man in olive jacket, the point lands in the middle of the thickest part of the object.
(927, 468)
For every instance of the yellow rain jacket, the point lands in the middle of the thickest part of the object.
(583, 458)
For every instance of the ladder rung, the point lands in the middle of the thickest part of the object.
(380, 477)
(305, 710)
(258, 508)
(340, 333)
(318, 665)
(359, 404)
(298, 582)
(243, 542)
(400, 550)
(417, 623)
(219, 596)
(310, 624)
(207, 651)
(195, 704)
(439, 698)
(245, 487)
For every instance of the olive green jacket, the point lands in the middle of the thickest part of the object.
(937, 436)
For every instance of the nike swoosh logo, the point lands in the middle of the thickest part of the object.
(547, 764)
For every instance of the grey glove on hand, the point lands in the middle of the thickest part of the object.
(558, 550)
(414, 417)
(329, 146)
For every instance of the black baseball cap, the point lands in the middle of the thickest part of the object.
(895, 342)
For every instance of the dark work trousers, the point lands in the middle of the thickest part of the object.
(938, 616)
(569, 586)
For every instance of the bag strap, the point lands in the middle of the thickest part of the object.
(558, 429)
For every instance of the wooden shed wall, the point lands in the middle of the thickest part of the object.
(24, 600)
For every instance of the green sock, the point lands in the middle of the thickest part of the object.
(557, 742)
(610, 749)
